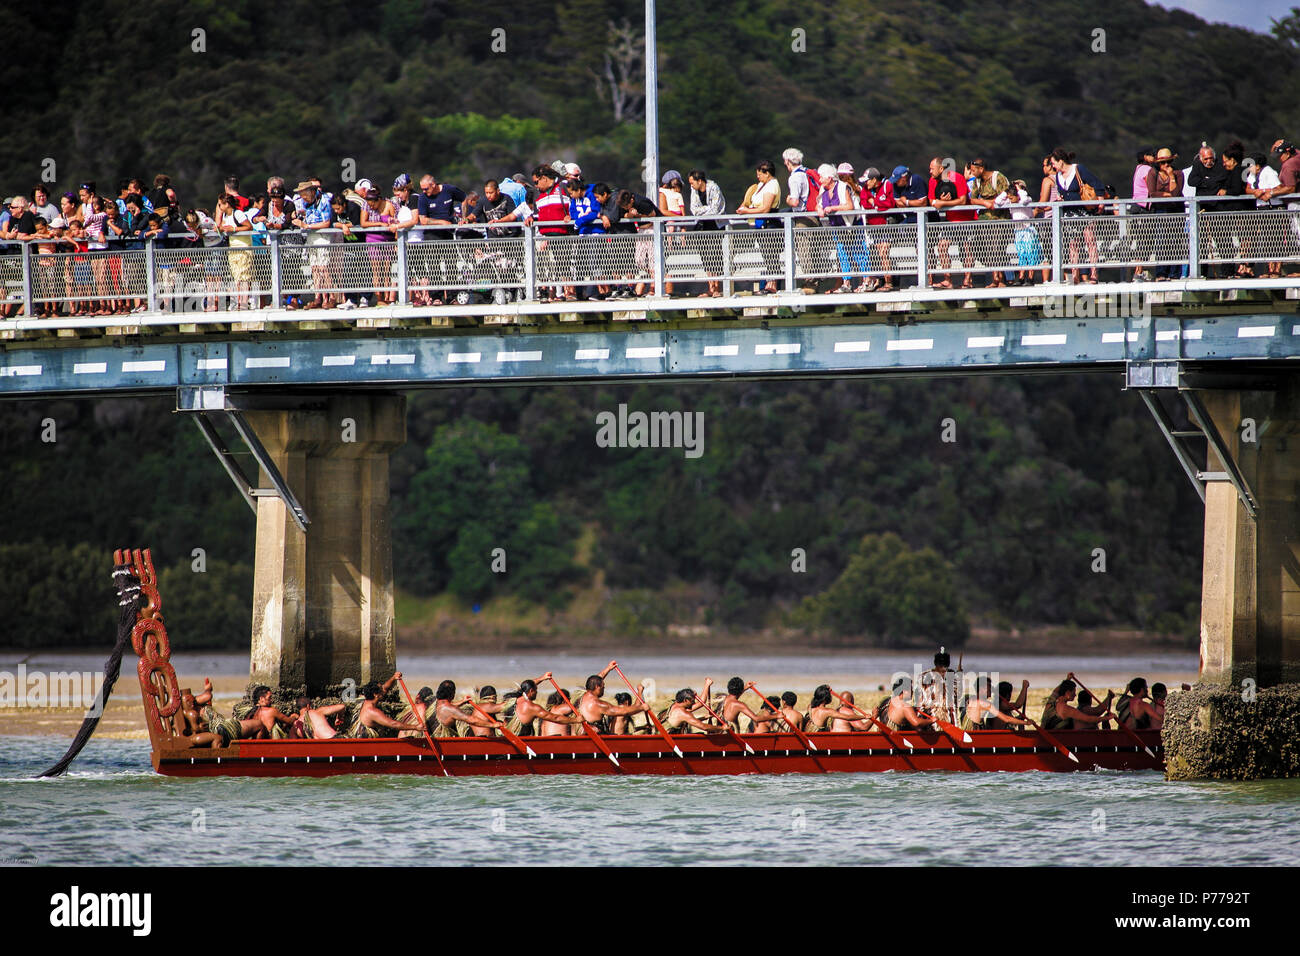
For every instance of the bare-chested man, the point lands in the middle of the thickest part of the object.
(314, 722)
(680, 718)
(488, 703)
(598, 712)
(844, 724)
(1132, 707)
(982, 715)
(266, 713)
(556, 706)
(899, 713)
(1060, 714)
(447, 716)
(733, 708)
(532, 719)
(371, 720)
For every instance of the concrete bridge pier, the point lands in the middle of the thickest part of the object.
(1242, 719)
(323, 599)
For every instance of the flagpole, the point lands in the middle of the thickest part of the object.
(651, 104)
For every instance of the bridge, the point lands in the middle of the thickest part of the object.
(315, 395)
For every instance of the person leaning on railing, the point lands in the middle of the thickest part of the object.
(1073, 180)
(763, 198)
(707, 200)
(1165, 181)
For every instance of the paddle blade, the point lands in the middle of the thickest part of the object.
(613, 760)
(909, 743)
(1150, 752)
(965, 738)
(1070, 754)
(531, 752)
(749, 748)
(678, 750)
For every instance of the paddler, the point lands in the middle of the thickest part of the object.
(1132, 708)
(898, 712)
(267, 714)
(599, 712)
(733, 708)
(821, 715)
(679, 719)
(314, 722)
(850, 721)
(448, 720)
(1060, 714)
(370, 720)
(529, 714)
(982, 715)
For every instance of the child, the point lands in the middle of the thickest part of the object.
(1028, 246)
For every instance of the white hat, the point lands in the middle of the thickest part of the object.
(58, 222)
(572, 169)
(826, 171)
(364, 186)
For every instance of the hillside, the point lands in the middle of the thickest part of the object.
(301, 87)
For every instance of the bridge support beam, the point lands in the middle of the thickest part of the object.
(323, 599)
(1242, 718)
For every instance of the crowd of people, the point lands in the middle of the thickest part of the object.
(875, 212)
(940, 702)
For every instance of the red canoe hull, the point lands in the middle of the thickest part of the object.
(991, 750)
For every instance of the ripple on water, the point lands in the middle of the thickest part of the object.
(113, 810)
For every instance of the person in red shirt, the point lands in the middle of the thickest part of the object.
(552, 208)
(877, 195)
(947, 190)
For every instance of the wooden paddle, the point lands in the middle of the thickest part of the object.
(1122, 726)
(651, 714)
(519, 745)
(803, 738)
(724, 728)
(423, 726)
(591, 731)
(878, 724)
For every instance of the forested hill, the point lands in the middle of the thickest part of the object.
(903, 535)
(109, 88)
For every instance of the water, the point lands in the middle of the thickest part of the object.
(114, 810)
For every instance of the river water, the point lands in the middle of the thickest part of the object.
(113, 810)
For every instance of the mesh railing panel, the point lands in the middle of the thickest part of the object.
(87, 276)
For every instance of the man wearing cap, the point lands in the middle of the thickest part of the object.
(313, 217)
(910, 190)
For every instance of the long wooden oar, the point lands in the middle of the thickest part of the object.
(1122, 726)
(518, 744)
(651, 714)
(879, 724)
(954, 733)
(424, 727)
(1046, 736)
(725, 729)
(803, 738)
(591, 731)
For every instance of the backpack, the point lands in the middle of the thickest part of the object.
(814, 188)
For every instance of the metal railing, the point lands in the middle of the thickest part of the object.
(911, 249)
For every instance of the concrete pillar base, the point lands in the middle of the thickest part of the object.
(1217, 732)
(323, 600)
